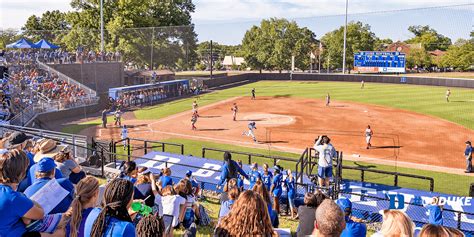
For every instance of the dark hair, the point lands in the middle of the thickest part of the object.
(129, 167)
(150, 225)
(184, 188)
(117, 195)
(314, 199)
(231, 166)
(325, 140)
(13, 166)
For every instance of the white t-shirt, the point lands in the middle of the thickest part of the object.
(326, 153)
(190, 200)
(158, 202)
(171, 206)
(368, 132)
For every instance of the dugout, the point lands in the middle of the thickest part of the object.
(168, 86)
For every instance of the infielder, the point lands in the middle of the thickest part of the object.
(124, 135)
(250, 133)
(368, 136)
(253, 94)
(234, 110)
(448, 93)
(195, 106)
(328, 99)
(194, 120)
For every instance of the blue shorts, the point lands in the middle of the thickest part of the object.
(325, 172)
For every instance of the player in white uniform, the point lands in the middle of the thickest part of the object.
(362, 83)
(368, 136)
(234, 109)
(124, 136)
(250, 133)
(448, 93)
(195, 106)
(328, 99)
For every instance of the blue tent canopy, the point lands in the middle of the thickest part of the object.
(44, 44)
(21, 44)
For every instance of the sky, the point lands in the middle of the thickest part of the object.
(226, 21)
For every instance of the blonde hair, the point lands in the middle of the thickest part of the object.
(86, 189)
(396, 223)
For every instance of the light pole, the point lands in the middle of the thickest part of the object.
(101, 25)
(344, 51)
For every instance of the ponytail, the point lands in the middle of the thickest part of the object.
(86, 189)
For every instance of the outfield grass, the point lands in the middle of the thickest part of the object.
(428, 100)
(444, 182)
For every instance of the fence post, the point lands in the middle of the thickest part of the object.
(102, 162)
(128, 149)
(459, 221)
(166, 164)
(250, 159)
(431, 185)
(182, 149)
(145, 147)
(163, 147)
(203, 152)
(74, 145)
(396, 180)
(362, 175)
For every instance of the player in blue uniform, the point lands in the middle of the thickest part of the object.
(254, 175)
(276, 188)
(291, 191)
(230, 170)
(240, 178)
(267, 177)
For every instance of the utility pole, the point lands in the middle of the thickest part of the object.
(344, 51)
(211, 59)
(319, 57)
(102, 25)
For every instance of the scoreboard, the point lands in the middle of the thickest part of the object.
(384, 62)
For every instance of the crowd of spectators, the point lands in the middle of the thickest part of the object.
(44, 192)
(59, 56)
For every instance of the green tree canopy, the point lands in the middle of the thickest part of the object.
(52, 26)
(359, 38)
(272, 44)
(459, 56)
(429, 38)
(418, 58)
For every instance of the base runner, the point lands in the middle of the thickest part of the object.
(194, 119)
(249, 133)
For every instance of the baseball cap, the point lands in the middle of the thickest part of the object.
(468, 142)
(345, 204)
(46, 164)
(16, 138)
(189, 173)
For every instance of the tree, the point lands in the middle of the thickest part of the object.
(8, 36)
(359, 38)
(418, 58)
(272, 44)
(52, 26)
(459, 56)
(381, 44)
(429, 38)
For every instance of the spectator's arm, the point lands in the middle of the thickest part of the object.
(223, 175)
(153, 184)
(35, 213)
(318, 142)
(242, 172)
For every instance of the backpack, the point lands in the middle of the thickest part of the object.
(204, 219)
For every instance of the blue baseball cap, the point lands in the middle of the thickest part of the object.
(345, 204)
(189, 173)
(45, 165)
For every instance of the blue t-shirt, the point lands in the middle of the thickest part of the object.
(290, 188)
(240, 181)
(225, 208)
(253, 177)
(27, 181)
(354, 229)
(131, 179)
(65, 183)
(13, 206)
(115, 227)
(80, 231)
(165, 181)
(277, 179)
(225, 174)
(468, 150)
(267, 179)
(57, 174)
(435, 215)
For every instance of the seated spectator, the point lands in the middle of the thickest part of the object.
(19, 141)
(129, 171)
(435, 212)
(174, 205)
(229, 186)
(143, 189)
(150, 226)
(68, 166)
(112, 219)
(87, 192)
(194, 183)
(261, 189)
(45, 170)
(17, 210)
(226, 206)
(306, 212)
(184, 189)
(433, 230)
(352, 228)
(165, 178)
(48, 148)
(396, 223)
(248, 217)
(453, 232)
(329, 220)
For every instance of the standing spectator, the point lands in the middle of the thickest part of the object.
(45, 170)
(248, 217)
(16, 209)
(306, 213)
(118, 118)
(104, 118)
(87, 193)
(353, 229)
(276, 188)
(150, 226)
(368, 136)
(435, 211)
(468, 156)
(112, 219)
(226, 206)
(230, 170)
(396, 223)
(329, 220)
(254, 175)
(267, 176)
(291, 191)
(326, 154)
